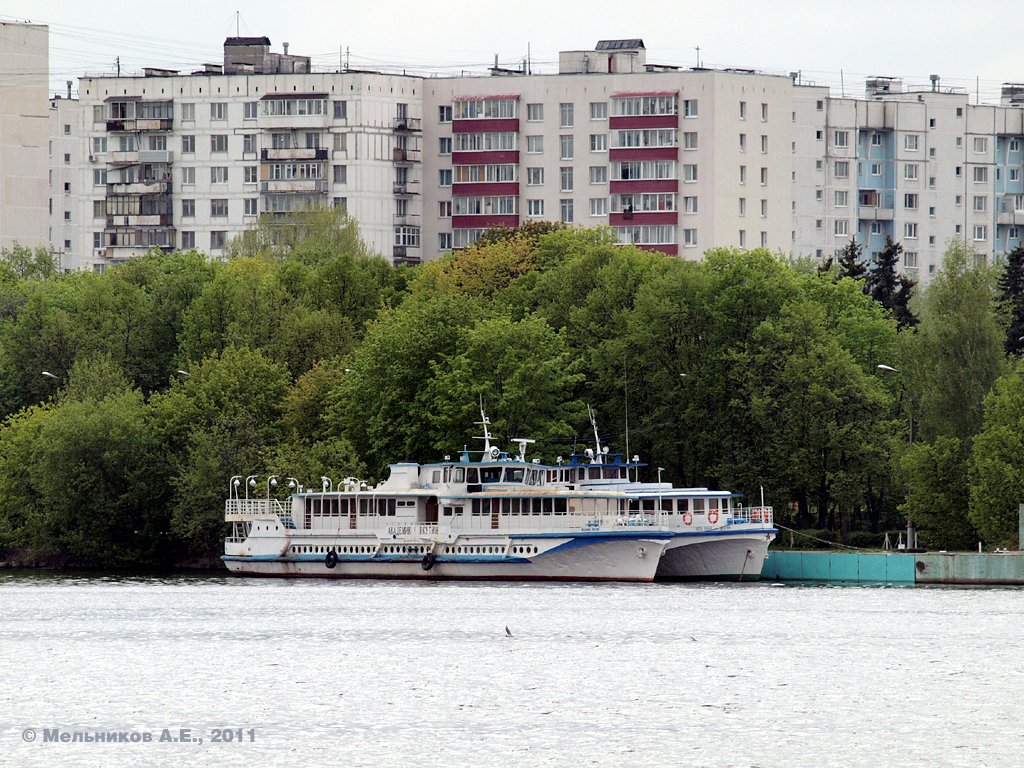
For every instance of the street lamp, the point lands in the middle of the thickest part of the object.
(182, 372)
(271, 483)
(49, 375)
(250, 482)
(910, 410)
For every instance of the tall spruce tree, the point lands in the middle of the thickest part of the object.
(888, 288)
(851, 262)
(1011, 297)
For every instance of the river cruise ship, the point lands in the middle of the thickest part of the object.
(501, 516)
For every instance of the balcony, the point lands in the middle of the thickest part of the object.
(140, 124)
(404, 190)
(1011, 209)
(293, 185)
(405, 156)
(293, 153)
(407, 220)
(400, 255)
(152, 220)
(407, 124)
(141, 187)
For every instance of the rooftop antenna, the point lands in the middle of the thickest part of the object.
(523, 442)
(237, 33)
(699, 66)
(597, 440)
(490, 452)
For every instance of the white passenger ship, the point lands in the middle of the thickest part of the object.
(501, 517)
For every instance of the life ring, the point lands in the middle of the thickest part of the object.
(332, 559)
(687, 518)
(428, 561)
(712, 516)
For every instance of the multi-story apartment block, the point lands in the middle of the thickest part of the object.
(188, 161)
(672, 160)
(24, 61)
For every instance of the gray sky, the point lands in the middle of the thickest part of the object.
(971, 45)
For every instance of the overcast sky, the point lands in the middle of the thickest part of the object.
(971, 45)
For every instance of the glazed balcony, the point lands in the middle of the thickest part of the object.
(293, 153)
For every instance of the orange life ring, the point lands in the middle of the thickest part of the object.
(713, 516)
(687, 518)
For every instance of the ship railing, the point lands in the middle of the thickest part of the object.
(239, 510)
(741, 515)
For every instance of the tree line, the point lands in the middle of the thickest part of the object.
(302, 354)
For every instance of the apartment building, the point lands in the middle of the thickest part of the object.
(24, 122)
(920, 165)
(182, 161)
(674, 161)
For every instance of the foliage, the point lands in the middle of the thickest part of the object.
(1011, 299)
(937, 496)
(891, 290)
(31, 263)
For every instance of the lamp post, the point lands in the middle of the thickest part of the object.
(183, 372)
(271, 483)
(250, 482)
(910, 407)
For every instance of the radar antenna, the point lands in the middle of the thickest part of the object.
(598, 454)
(522, 442)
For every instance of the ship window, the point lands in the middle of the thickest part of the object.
(547, 506)
(475, 506)
(561, 507)
(634, 505)
(712, 503)
(515, 506)
(595, 473)
(435, 476)
(458, 510)
(698, 505)
(391, 507)
(666, 505)
(514, 475)
(447, 511)
(581, 474)
(506, 506)
(460, 475)
(648, 505)
(682, 505)
(490, 474)
(447, 474)
(472, 475)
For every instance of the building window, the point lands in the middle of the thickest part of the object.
(565, 148)
(534, 177)
(980, 232)
(842, 169)
(764, 112)
(535, 208)
(565, 115)
(598, 174)
(690, 140)
(251, 173)
(248, 143)
(218, 143)
(565, 210)
(444, 114)
(219, 110)
(875, 228)
(444, 145)
(764, 177)
(910, 259)
(188, 113)
(599, 206)
(764, 208)
(842, 139)
(841, 228)
(980, 203)
(690, 108)
(910, 201)
(743, 206)
(876, 169)
(534, 145)
(218, 239)
(341, 174)
(743, 142)
(599, 110)
(341, 110)
(251, 110)
(764, 145)
(910, 142)
(534, 113)
(444, 209)
(444, 177)
(565, 179)
(842, 198)
(99, 145)
(690, 204)
(598, 142)
(690, 238)
(819, 135)
(251, 206)
(690, 172)
(341, 202)
(876, 139)
(219, 174)
(743, 174)
(188, 208)
(980, 144)
(743, 110)
(910, 172)
(743, 238)
(444, 241)
(980, 174)
(910, 230)
(188, 176)
(99, 177)
(218, 208)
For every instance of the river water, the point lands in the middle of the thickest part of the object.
(398, 674)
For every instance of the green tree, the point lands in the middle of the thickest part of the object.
(937, 493)
(851, 261)
(891, 290)
(1011, 299)
(38, 263)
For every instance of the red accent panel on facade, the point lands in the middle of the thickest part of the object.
(483, 222)
(644, 153)
(491, 97)
(643, 121)
(669, 249)
(489, 188)
(637, 186)
(497, 157)
(643, 217)
(486, 125)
